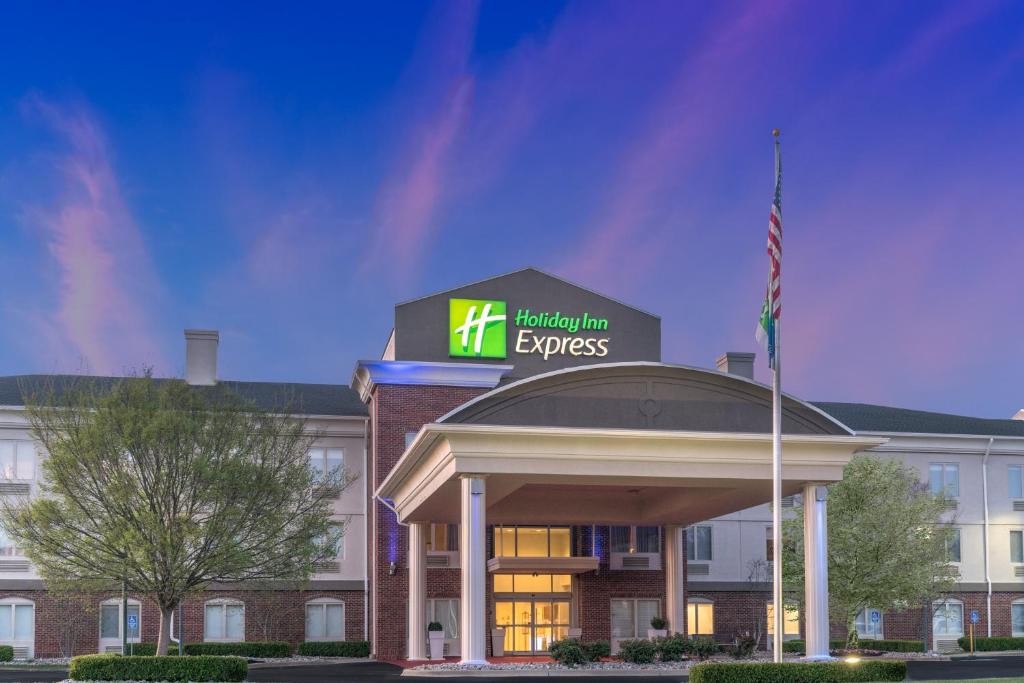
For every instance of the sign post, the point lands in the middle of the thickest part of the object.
(974, 620)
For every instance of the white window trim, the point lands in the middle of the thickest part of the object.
(945, 485)
(711, 546)
(701, 601)
(30, 644)
(639, 629)
(224, 602)
(120, 622)
(960, 545)
(1010, 538)
(788, 606)
(1015, 634)
(1020, 478)
(16, 445)
(942, 603)
(867, 622)
(322, 603)
(323, 462)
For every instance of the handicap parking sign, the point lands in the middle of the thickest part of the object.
(876, 616)
(133, 621)
(974, 616)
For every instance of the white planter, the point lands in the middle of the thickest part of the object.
(436, 639)
(497, 642)
(653, 633)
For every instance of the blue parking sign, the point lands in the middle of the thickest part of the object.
(974, 616)
(876, 616)
(133, 621)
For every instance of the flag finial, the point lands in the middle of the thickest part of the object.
(775, 132)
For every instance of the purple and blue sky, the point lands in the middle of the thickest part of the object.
(286, 173)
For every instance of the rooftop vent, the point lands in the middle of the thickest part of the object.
(201, 356)
(736, 363)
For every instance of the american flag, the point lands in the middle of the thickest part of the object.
(772, 307)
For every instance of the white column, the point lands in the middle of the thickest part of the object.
(816, 571)
(473, 563)
(675, 586)
(417, 633)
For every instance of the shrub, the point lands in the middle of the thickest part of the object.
(637, 651)
(118, 668)
(799, 647)
(6, 653)
(268, 648)
(597, 649)
(658, 623)
(673, 648)
(704, 647)
(435, 626)
(798, 672)
(744, 646)
(992, 644)
(569, 652)
(341, 648)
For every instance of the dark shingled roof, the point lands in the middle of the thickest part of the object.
(306, 399)
(863, 417)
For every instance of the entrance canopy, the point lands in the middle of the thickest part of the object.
(629, 443)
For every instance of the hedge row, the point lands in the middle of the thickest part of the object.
(344, 648)
(118, 668)
(6, 653)
(799, 672)
(799, 646)
(991, 644)
(268, 648)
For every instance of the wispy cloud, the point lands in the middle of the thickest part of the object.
(104, 282)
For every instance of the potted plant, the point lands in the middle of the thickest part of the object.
(436, 632)
(658, 629)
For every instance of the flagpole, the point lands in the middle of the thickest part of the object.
(779, 609)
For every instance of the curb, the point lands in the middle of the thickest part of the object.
(541, 673)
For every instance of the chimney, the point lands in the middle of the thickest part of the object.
(201, 356)
(736, 363)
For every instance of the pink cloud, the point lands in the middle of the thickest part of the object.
(103, 274)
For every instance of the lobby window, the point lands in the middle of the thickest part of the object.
(1017, 546)
(953, 547)
(944, 477)
(532, 541)
(443, 538)
(17, 460)
(635, 539)
(17, 624)
(632, 618)
(224, 621)
(868, 628)
(698, 543)
(532, 583)
(700, 617)
(1016, 479)
(325, 619)
(1017, 618)
(790, 621)
(327, 465)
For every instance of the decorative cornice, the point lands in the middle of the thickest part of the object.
(369, 373)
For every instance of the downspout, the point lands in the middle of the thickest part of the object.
(988, 575)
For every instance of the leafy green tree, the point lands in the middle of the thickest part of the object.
(167, 488)
(887, 543)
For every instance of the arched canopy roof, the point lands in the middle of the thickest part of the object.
(642, 395)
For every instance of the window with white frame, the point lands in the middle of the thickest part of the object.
(631, 617)
(769, 545)
(953, 546)
(112, 619)
(442, 538)
(698, 543)
(1017, 546)
(869, 624)
(17, 624)
(325, 619)
(445, 611)
(635, 539)
(700, 617)
(7, 546)
(944, 477)
(1015, 477)
(224, 621)
(17, 460)
(327, 465)
(1017, 618)
(790, 621)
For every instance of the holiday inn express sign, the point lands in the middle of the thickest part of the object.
(479, 328)
(528, 319)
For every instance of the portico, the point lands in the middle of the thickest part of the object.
(534, 453)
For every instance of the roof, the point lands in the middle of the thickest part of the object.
(864, 417)
(305, 399)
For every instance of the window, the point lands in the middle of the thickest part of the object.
(698, 544)
(953, 546)
(7, 546)
(445, 611)
(1017, 618)
(635, 539)
(327, 465)
(111, 619)
(769, 545)
(532, 583)
(443, 538)
(523, 541)
(869, 624)
(325, 620)
(1017, 546)
(17, 623)
(17, 460)
(790, 621)
(948, 618)
(632, 618)
(700, 617)
(224, 620)
(944, 478)
(1016, 479)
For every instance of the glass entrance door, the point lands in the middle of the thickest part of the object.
(532, 625)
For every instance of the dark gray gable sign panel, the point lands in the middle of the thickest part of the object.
(422, 331)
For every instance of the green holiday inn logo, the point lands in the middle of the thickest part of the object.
(476, 328)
